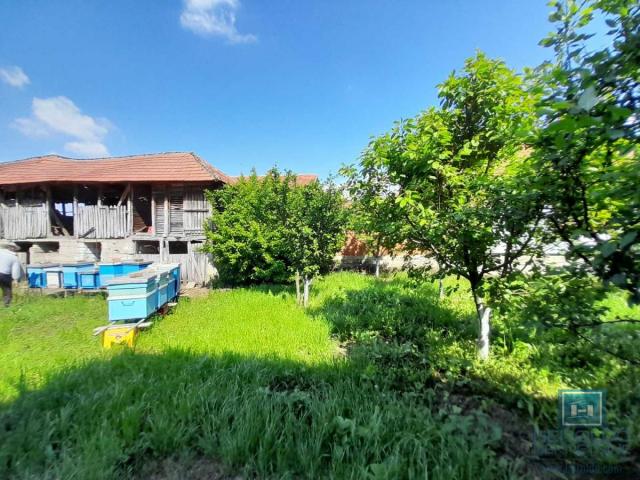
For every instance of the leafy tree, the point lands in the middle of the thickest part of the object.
(267, 229)
(373, 208)
(586, 153)
(316, 226)
(247, 232)
(459, 174)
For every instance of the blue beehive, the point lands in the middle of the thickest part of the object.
(89, 279)
(134, 266)
(70, 273)
(174, 280)
(52, 276)
(36, 275)
(109, 270)
(164, 276)
(132, 297)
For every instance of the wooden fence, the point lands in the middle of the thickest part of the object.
(194, 266)
(94, 221)
(19, 223)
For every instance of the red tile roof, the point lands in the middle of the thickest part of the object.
(155, 167)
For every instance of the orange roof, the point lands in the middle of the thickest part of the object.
(154, 167)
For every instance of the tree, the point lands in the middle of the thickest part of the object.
(316, 227)
(268, 229)
(586, 153)
(373, 207)
(247, 232)
(458, 170)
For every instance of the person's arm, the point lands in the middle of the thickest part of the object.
(16, 271)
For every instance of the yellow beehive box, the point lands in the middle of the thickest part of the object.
(119, 335)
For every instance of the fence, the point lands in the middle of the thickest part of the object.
(194, 266)
(17, 223)
(94, 221)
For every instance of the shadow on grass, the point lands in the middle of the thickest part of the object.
(419, 341)
(124, 416)
(407, 402)
(405, 336)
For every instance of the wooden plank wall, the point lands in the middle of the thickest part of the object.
(106, 221)
(196, 211)
(176, 212)
(193, 266)
(19, 223)
(187, 209)
(158, 205)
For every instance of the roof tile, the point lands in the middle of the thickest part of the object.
(156, 167)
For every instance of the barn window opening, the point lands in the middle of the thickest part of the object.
(178, 247)
(148, 246)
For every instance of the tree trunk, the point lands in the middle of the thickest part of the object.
(484, 317)
(378, 254)
(440, 289)
(307, 284)
(298, 298)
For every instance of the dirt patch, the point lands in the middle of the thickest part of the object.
(195, 292)
(195, 469)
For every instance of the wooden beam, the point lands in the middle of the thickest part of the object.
(99, 201)
(167, 221)
(124, 194)
(153, 212)
(75, 210)
(52, 210)
(130, 208)
(47, 192)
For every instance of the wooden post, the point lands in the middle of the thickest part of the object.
(47, 202)
(99, 201)
(52, 211)
(153, 212)
(167, 221)
(75, 210)
(130, 208)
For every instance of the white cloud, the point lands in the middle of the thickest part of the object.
(214, 18)
(59, 115)
(14, 76)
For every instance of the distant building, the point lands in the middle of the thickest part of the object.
(153, 207)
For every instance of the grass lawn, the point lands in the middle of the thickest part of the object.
(39, 335)
(245, 382)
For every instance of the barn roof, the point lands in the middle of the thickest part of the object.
(154, 167)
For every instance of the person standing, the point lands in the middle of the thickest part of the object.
(10, 269)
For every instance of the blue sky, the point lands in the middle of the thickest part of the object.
(243, 83)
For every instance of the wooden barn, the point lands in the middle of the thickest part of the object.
(148, 207)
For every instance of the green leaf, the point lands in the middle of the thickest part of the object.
(627, 238)
(607, 249)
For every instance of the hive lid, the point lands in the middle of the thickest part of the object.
(143, 276)
(137, 262)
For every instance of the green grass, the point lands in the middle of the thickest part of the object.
(39, 335)
(249, 381)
